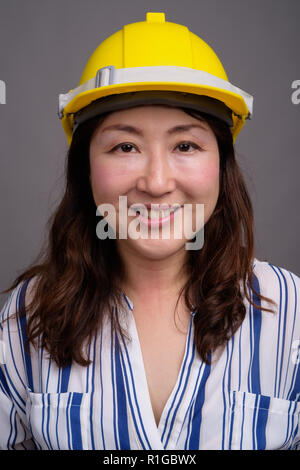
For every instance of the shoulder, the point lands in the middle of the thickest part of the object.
(275, 280)
(19, 297)
(13, 335)
(283, 287)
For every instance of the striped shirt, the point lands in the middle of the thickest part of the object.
(247, 398)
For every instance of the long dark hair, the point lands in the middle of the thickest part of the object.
(76, 275)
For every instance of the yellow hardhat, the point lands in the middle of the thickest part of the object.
(157, 62)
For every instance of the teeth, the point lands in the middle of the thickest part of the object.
(155, 214)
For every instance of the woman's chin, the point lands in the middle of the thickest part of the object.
(155, 248)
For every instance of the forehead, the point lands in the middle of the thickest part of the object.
(151, 116)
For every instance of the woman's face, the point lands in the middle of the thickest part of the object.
(155, 155)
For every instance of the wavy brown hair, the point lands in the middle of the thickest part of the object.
(76, 278)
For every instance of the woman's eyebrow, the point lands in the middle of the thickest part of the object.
(137, 131)
(185, 127)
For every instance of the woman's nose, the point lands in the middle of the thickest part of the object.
(157, 176)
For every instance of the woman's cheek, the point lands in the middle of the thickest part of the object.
(101, 180)
(107, 183)
(205, 178)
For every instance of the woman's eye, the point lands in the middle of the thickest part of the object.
(186, 146)
(125, 147)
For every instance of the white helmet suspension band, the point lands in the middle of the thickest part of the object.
(156, 74)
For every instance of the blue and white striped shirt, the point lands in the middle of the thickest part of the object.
(248, 398)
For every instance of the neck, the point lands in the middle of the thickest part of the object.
(145, 277)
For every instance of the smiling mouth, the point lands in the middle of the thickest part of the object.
(154, 214)
(156, 218)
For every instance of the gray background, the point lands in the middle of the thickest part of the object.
(44, 46)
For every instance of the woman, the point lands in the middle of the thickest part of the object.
(152, 343)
